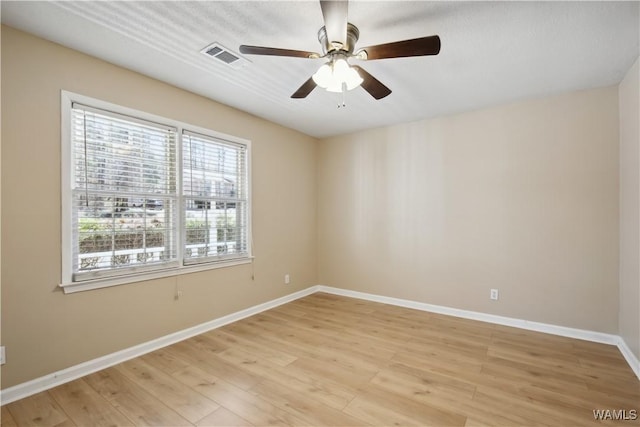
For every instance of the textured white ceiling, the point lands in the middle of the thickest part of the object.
(492, 52)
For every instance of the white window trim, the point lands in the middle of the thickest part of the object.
(67, 283)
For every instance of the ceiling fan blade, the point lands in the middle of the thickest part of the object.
(371, 84)
(415, 47)
(259, 50)
(305, 89)
(335, 20)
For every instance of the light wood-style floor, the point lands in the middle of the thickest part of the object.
(336, 361)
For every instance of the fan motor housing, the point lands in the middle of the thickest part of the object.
(352, 37)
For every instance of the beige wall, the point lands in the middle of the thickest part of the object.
(629, 320)
(522, 198)
(45, 330)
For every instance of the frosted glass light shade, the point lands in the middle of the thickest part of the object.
(336, 76)
(323, 76)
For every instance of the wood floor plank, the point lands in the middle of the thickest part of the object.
(333, 372)
(265, 352)
(593, 350)
(291, 310)
(269, 330)
(311, 411)
(379, 407)
(349, 305)
(284, 339)
(580, 407)
(532, 338)
(282, 375)
(327, 332)
(132, 400)
(435, 358)
(545, 414)
(331, 393)
(246, 405)
(412, 382)
(534, 374)
(332, 348)
(214, 366)
(620, 393)
(332, 360)
(305, 346)
(334, 324)
(38, 410)
(441, 392)
(6, 419)
(205, 346)
(529, 352)
(182, 399)
(164, 360)
(223, 417)
(86, 407)
(612, 365)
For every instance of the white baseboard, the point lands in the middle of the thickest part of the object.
(631, 358)
(483, 317)
(46, 382)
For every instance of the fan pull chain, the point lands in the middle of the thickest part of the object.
(344, 89)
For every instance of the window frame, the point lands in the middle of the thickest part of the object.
(212, 199)
(67, 282)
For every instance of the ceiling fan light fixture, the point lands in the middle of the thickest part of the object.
(335, 75)
(338, 38)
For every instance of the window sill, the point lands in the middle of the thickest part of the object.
(87, 285)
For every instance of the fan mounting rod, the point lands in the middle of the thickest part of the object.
(329, 47)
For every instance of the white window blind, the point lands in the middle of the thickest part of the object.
(145, 197)
(124, 194)
(215, 198)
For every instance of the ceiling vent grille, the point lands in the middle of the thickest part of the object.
(221, 53)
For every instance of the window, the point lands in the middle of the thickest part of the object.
(215, 198)
(146, 197)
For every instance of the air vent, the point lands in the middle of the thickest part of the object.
(222, 54)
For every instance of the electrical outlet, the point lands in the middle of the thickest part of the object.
(493, 294)
(3, 358)
(287, 279)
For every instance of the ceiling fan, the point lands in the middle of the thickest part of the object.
(338, 38)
